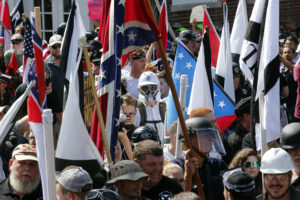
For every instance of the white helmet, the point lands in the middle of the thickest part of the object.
(276, 161)
(148, 87)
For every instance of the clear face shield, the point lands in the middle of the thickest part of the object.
(207, 139)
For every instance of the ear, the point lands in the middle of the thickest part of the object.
(10, 162)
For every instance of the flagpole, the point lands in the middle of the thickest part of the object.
(176, 101)
(98, 109)
(37, 16)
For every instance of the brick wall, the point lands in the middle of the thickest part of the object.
(289, 13)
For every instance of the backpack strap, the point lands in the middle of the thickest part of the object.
(123, 85)
(162, 110)
(143, 113)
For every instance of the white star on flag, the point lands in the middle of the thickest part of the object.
(102, 75)
(177, 76)
(180, 55)
(221, 104)
(131, 36)
(215, 94)
(188, 65)
(122, 2)
(120, 29)
(118, 93)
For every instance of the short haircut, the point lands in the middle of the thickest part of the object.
(199, 112)
(186, 196)
(168, 167)
(128, 99)
(293, 39)
(147, 147)
(162, 74)
(150, 67)
(172, 129)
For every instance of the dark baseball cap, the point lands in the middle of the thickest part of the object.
(243, 106)
(187, 35)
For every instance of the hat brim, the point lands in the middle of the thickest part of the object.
(274, 171)
(148, 83)
(57, 42)
(130, 176)
(26, 157)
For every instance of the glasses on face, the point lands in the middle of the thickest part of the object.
(55, 46)
(97, 63)
(147, 88)
(279, 177)
(213, 121)
(16, 41)
(131, 114)
(248, 164)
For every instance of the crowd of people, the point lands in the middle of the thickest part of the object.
(145, 165)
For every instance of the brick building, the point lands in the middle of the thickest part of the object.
(289, 11)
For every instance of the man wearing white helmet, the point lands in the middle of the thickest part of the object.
(151, 109)
(276, 167)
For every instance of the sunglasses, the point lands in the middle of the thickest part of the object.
(147, 88)
(248, 164)
(279, 177)
(16, 41)
(55, 47)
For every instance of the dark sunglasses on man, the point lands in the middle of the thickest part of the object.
(55, 46)
(16, 41)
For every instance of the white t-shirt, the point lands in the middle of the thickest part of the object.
(132, 86)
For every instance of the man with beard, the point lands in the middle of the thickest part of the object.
(24, 179)
(55, 98)
(276, 167)
(290, 141)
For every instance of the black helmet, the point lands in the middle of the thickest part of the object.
(290, 136)
(144, 133)
(201, 130)
(90, 35)
(61, 29)
(103, 194)
(196, 123)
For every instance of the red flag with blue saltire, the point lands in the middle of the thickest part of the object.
(5, 22)
(122, 30)
(163, 26)
(214, 38)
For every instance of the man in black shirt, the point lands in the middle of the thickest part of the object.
(149, 155)
(24, 179)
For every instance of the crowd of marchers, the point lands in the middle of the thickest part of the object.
(145, 165)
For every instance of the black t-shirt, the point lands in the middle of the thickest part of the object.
(55, 98)
(164, 190)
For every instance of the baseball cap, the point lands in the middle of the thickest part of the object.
(75, 179)
(55, 39)
(243, 106)
(187, 35)
(148, 78)
(126, 170)
(239, 184)
(25, 152)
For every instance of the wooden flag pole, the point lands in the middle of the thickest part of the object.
(98, 109)
(37, 17)
(177, 104)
